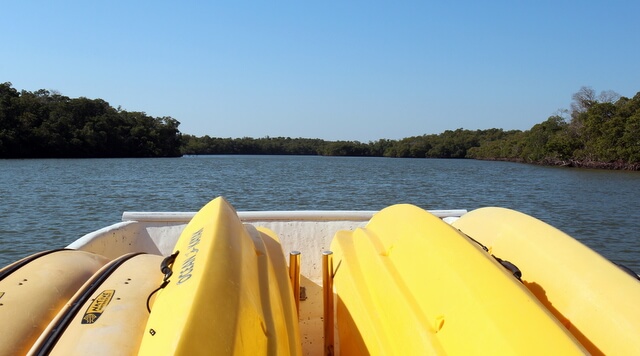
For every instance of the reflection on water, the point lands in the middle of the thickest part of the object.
(49, 203)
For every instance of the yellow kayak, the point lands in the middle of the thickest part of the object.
(228, 292)
(34, 289)
(409, 284)
(597, 301)
(107, 315)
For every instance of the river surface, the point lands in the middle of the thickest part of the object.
(47, 204)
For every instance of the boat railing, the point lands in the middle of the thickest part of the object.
(277, 215)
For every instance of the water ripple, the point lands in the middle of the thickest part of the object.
(49, 203)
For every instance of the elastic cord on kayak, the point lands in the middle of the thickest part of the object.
(166, 267)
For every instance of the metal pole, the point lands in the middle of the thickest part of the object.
(327, 289)
(294, 276)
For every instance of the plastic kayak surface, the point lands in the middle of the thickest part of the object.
(597, 301)
(228, 292)
(108, 314)
(408, 283)
(33, 290)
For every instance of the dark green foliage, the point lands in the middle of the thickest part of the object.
(45, 124)
(450, 144)
(193, 145)
(600, 134)
(603, 132)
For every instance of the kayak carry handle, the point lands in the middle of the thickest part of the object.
(167, 264)
(511, 267)
(506, 264)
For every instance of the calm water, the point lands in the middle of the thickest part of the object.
(49, 203)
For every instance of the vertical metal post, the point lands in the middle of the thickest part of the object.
(327, 289)
(294, 276)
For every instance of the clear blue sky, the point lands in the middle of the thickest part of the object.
(336, 70)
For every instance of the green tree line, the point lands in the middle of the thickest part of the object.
(47, 124)
(450, 144)
(600, 131)
(603, 131)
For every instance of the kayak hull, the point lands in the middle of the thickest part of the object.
(221, 294)
(107, 315)
(594, 299)
(32, 295)
(408, 283)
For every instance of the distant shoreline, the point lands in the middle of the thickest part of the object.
(611, 166)
(601, 134)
